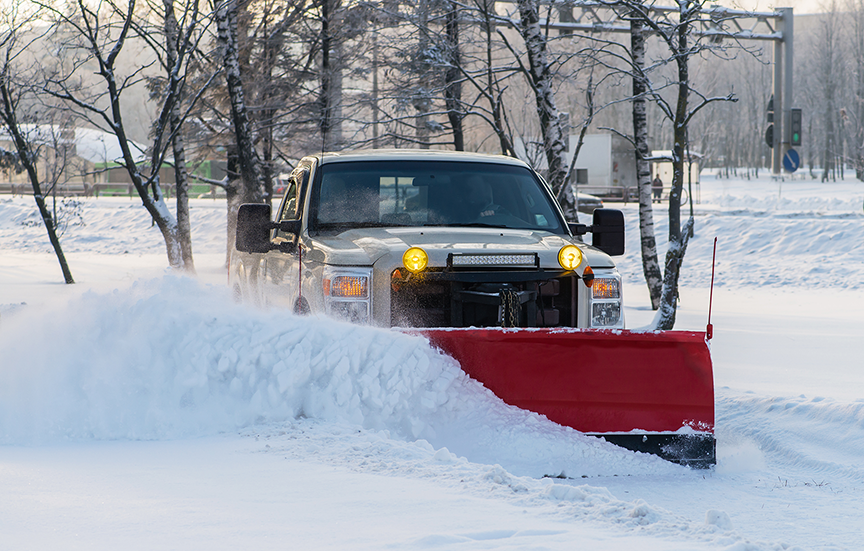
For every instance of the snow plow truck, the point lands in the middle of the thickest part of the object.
(473, 252)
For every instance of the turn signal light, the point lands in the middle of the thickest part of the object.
(588, 276)
(570, 257)
(606, 288)
(415, 259)
(346, 287)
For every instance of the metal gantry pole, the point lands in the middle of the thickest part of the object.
(788, 59)
(783, 70)
(779, 114)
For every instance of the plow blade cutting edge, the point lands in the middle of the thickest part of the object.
(646, 391)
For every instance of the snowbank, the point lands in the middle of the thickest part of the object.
(169, 358)
(784, 234)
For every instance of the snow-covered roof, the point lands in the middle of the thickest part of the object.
(96, 146)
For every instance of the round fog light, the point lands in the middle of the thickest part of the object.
(415, 259)
(570, 257)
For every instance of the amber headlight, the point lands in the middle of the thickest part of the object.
(415, 259)
(348, 293)
(346, 286)
(570, 257)
(606, 288)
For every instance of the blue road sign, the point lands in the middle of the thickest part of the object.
(791, 161)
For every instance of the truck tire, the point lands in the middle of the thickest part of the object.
(301, 307)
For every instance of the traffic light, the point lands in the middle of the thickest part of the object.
(795, 127)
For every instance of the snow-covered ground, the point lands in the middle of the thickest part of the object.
(140, 409)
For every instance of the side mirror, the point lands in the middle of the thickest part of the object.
(289, 226)
(608, 230)
(253, 228)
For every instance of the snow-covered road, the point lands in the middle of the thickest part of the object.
(129, 415)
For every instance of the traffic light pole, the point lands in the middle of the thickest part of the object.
(783, 62)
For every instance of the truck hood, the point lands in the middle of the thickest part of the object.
(365, 247)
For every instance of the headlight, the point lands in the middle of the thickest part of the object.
(348, 293)
(570, 257)
(606, 287)
(605, 294)
(415, 259)
(605, 314)
(347, 286)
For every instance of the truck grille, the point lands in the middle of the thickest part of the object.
(477, 299)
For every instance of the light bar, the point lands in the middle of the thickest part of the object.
(518, 260)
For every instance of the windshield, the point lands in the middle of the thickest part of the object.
(430, 193)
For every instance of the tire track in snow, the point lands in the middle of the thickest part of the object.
(814, 436)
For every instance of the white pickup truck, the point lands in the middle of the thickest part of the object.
(413, 238)
(461, 248)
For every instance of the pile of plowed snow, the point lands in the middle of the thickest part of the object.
(169, 358)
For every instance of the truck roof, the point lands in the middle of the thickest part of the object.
(413, 154)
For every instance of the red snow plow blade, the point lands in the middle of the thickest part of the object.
(646, 391)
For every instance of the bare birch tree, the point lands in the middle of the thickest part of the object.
(180, 40)
(641, 89)
(541, 77)
(249, 187)
(683, 45)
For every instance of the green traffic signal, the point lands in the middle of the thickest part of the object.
(795, 126)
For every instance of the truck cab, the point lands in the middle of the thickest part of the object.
(408, 238)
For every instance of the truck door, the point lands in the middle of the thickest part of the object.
(282, 266)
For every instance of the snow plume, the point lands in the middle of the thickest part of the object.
(169, 358)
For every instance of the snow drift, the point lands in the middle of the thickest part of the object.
(169, 358)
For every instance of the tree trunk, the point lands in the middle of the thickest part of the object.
(155, 203)
(247, 156)
(830, 139)
(679, 134)
(541, 79)
(181, 177)
(233, 199)
(267, 100)
(453, 86)
(858, 53)
(29, 160)
(492, 91)
(677, 243)
(650, 265)
(248, 188)
(669, 299)
(422, 98)
(330, 97)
